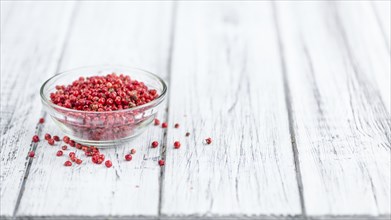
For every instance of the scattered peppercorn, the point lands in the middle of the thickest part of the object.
(59, 153)
(31, 154)
(133, 151)
(64, 147)
(66, 139)
(47, 136)
(72, 143)
(128, 157)
(68, 163)
(108, 163)
(78, 161)
(56, 138)
(187, 134)
(155, 144)
(164, 125)
(161, 163)
(208, 140)
(156, 121)
(72, 154)
(50, 141)
(176, 125)
(41, 120)
(177, 144)
(35, 138)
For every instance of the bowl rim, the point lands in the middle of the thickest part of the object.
(158, 100)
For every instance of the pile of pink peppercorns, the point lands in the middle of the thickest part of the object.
(91, 151)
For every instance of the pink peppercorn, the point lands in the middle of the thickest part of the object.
(35, 138)
(64, 147)
(47, 136)
(187, 134)
(68, 163)
(72, 154)
(156, 121)
(31, 154)
(128, 157)
(78, 161)
(108, 163)
(56, 138)
(133, 151)
(164, 125)
(50, 141)
(161, 162)
(177, 144)
(176, 125)
(66, 139)
(208, 140)
(155, 144)
(41, 120)
(72, 143)
(59, 153)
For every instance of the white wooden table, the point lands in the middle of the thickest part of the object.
(296, 96)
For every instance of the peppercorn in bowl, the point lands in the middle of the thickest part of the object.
(103, 105)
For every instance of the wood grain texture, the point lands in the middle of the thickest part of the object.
(32, 37)
(127, 33)
(341, 124)
(227, 84)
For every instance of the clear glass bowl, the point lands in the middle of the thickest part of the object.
(103, 128)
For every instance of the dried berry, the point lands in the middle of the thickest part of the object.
(164, 125)
(68, 163)
(128, 157)
(64, 147)
(78, 161)
(41, 120)
(35, 138)
(208, 140)
(31, 154)
(156, 121)
(108, 163)
(161, 162)
(72, 154)
(176, 125)
(133, 151)
(59, 153)
(187, 134)
(47, 136)
(56, 138)
(66, 139)
(155, 144)
(177, 144)
(50, 141)
(72, 143)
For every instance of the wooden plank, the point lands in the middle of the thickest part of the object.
(226, 67)
(32, 38)
(126, 33)
(342, 127)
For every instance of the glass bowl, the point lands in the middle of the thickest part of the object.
(108, 127)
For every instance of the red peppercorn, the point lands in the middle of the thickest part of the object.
(128, 157)
(176, 125)
(56, 138)
(156, 121)
(59, 153)
(50, 141)
(72, 143)
(161, 163)
(72, 154)
(208, 140)
(47, 136)
(133, 151)
(155, 144)
(108, 163)
(68, 163)
(41, 120)
(177, 144)
(64, 147)
(164, 125)
(78, 161)
(187, 134)
(78, 146)
(35, 138)
(73, 159)
(31, 154)
(66, 139)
